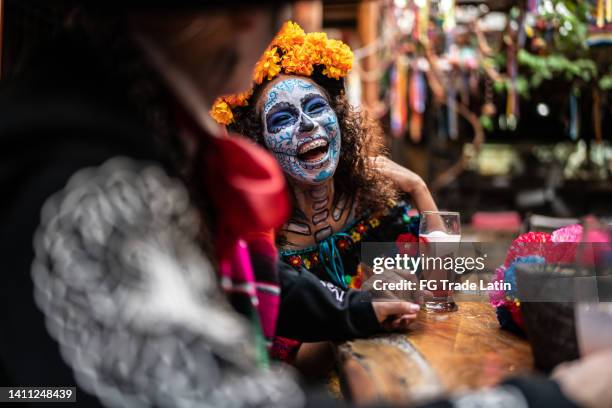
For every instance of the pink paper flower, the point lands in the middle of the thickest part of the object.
(571, 233)
(498, 297)
(527, 244)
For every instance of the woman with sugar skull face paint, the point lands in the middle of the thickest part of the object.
(300, 129)
(345, 191)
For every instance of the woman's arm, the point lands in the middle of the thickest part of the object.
(408, 181)
(312, 310)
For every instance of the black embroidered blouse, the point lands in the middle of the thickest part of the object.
(337, 258)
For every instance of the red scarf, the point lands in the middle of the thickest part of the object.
(247, 188)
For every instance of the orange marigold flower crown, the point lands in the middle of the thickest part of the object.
(291, 52)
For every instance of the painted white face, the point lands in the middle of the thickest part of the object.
(301, 129)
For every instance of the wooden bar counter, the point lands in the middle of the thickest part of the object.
(441, 353)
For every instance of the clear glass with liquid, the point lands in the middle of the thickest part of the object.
(440, 230)
(594, 327)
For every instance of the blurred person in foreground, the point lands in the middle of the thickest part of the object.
(126, 211)
(135, 258)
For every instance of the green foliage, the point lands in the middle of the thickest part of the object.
(546, 67)
(486, 122)
(499, 86)
(570, 21)
(563, 26)
(522, 86)
(605, 82)
(567, 56)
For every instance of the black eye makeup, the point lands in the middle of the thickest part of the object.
(314, 104)
(281, 115)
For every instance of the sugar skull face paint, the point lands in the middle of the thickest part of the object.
(301, 129)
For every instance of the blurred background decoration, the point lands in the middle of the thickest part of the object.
(499, 105)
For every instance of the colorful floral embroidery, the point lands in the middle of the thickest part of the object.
(284, 349)
(295, 261)
(405, 244)
(357, 280)
(374, 222)
(342, 244)
(346, 243)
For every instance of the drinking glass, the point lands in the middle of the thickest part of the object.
(593, 327)
(593, 287)
(442, 233)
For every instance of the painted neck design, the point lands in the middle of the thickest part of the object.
(316, 216)
(315, 202)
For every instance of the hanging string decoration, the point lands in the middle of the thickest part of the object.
(398, 97)
(417, 96)
(600, 29)
(574, 124)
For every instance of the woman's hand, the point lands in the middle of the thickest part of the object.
(408, 181)
(395, 315)
(587, 381)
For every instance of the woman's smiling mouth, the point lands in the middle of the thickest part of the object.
(313, 152)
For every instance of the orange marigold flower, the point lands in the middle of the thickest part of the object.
(290, 34)
(316, 43)
(297, 61)
(337, 58)
(268, 66)
(293, 52)
(221, 112)
(241, 99)
(318, 40)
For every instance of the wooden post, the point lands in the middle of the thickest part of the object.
(367, 25)
(309, 15)
(1, 32)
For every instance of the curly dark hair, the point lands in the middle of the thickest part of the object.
(361, 138)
